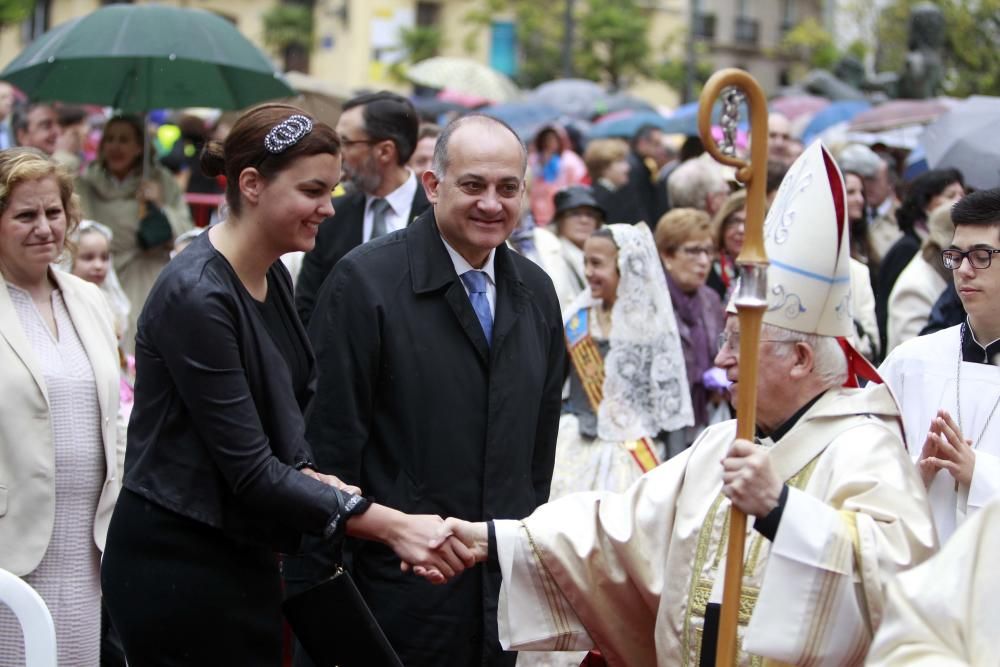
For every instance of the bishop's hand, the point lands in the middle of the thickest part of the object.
(749, 479)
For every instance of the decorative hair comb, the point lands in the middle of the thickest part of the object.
(287, 133)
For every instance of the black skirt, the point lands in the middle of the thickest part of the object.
(180, 592)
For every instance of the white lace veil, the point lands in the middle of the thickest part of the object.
(645, 383)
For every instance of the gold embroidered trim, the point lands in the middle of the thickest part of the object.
(552, 596)
(698, 595)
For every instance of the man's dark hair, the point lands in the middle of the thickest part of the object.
(391, 117)
(691, 148)
(978, 208)
(775, 175)
(19, 119)
(69, 115)
(643, 133)
(439, 164)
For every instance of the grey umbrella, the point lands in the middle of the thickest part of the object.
(963, 138)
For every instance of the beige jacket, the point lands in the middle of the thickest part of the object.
(114, 204)
(913, 296)
(27, 455)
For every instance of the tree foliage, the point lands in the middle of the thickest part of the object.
(971, 53)
(289, 25)
(12, 11)
(613, 42)
(611, 39)
(810, 44)
(418, 43)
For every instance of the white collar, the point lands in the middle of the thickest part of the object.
(463, 266)
(400, 198)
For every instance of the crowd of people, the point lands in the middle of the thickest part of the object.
(405, 349)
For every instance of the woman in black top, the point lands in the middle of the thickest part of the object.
(219, 475)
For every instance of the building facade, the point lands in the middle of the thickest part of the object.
(356, 42)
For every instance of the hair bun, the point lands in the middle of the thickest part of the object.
(213, 159)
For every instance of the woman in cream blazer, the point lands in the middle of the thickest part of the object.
(59, 414)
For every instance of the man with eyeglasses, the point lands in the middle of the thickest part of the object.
(835, 505)
(378, 134)
(948, 384)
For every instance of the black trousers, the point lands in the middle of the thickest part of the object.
(180, 592)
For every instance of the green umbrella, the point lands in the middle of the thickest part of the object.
(141, 57)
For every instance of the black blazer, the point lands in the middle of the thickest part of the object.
(338, 235)
(415, 407)
(216, 427)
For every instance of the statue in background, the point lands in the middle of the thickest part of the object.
(923, 70)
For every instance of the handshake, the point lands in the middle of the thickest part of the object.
(431, 547)
(438, 550)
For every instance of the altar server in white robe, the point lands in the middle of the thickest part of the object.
(835, 504)
(948, 383)
(944, 612)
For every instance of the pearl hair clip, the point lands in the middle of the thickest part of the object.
(287, 133)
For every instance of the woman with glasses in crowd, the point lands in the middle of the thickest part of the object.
(685, 241)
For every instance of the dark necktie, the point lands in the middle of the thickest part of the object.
(380, 209)
(475, 281)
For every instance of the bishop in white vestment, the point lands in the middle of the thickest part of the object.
(835, 505)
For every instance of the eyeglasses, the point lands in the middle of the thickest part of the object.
(732, 341)
(695, 251)
(979, 258)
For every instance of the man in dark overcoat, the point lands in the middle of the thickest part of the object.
(441, 360)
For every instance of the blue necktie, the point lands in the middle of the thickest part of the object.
(475, 281)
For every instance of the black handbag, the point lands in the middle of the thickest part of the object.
(335, 626)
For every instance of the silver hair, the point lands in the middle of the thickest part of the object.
(693, 181)
(860, 159)
(829, 362)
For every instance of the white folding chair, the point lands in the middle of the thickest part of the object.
(34, 617)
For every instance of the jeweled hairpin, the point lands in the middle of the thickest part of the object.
(287, 133)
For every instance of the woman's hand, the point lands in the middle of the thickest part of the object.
(152, 192)
(424, 543)
(331, 480)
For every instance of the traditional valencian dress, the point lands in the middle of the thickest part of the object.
(944, 613)
(924, 374)
(637, 573)
(626, 385)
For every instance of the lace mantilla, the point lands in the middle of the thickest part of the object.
(645, 385)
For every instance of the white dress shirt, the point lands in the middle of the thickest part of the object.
(462, 266)
(400, 201)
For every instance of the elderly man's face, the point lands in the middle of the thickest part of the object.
(42, 131)
(877, 187)
(779, 133)
(6, 100)
(420, 161)
(773, 374)
(477, 201)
